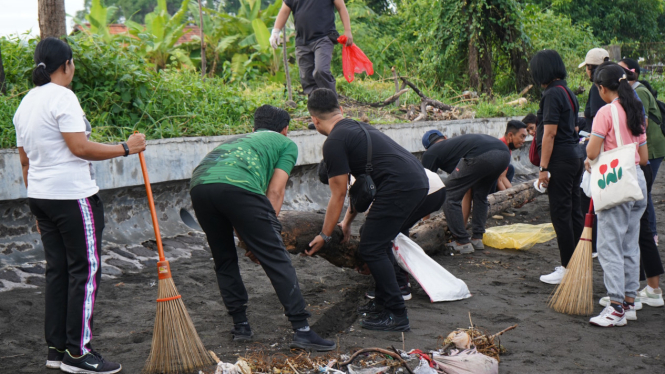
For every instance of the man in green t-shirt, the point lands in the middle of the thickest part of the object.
(240, 185)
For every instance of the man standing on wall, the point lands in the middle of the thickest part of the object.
(316, 36)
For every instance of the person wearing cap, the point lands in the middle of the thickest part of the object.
(561, 162)
(316, 36)
(472, 161)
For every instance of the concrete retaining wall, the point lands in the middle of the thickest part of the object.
(170, 163)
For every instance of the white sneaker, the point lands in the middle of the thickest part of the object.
(605, 301)
(609, 317)
(594, 255)
(554, 278)
(654, 299)
(631, 312)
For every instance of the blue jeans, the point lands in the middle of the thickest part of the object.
(655, 165)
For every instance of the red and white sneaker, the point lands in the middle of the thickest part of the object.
(609, 317)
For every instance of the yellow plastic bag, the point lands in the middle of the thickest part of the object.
(518, 236)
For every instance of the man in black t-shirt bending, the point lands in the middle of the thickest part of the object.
(472, 161)
(315, 31)
(401, 185)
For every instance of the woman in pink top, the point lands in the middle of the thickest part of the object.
(618, 227)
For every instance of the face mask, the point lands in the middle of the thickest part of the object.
(511, 146)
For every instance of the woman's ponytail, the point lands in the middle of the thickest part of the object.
(50, 54)
(614, 78)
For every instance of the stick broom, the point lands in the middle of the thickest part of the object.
(176, 347)
(575, 293)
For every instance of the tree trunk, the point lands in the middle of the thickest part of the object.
(3, 86)
(52, 20)
(474, 76)
(486, 71)
(299, 228)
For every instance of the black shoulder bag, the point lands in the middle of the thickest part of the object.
(363, 190)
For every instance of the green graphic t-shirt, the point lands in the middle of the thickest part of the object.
(247, 161)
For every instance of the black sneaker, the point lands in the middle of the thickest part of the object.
(89, 363)
(54, 358)
(370, 308)
(242, 332)
(311, 341)
(386, 321)
(406, 293)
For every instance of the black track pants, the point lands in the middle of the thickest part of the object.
(650, 262)
(220, 208)
(384, 222)
(71, 231)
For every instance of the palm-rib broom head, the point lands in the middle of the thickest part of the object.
(176, 347)
(575, 293)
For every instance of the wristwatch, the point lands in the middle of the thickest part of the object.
(543, 169)
(126, 147)
(325, 237)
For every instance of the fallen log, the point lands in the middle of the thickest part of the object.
(299, 228)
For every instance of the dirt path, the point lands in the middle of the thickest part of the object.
(505, 291)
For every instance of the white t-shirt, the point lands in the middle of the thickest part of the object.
(55, 173)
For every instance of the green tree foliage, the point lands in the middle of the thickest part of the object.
(136, 10)
(623, 20)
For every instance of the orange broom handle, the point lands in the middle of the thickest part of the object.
(151, 202)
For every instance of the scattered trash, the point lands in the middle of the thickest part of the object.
(469, 361)
(240, 367)
(460, 339)
(435, 280)
(518, 235)
(120, 284)
(497, 217)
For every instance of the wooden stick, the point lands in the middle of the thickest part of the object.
(427, 100)
(396, 85)
(286, 65)
(203, 45)
(390, 100)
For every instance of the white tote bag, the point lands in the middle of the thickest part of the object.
(436, 281)
(614, 174)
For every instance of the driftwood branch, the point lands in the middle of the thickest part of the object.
(299, 228)
(390, 100)
(427, 100)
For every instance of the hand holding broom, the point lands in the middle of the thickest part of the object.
(575, 293)
(176, 347)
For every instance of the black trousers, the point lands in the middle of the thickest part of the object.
(222, 207)
(564, 195)
(71, 232)
(478, 173)
(650, 262)
(430, 204)
(386, 219)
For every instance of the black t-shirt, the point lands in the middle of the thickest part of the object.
(594, 103)
(394, 168)
(446, 154)
(555, 109)
(314, 19)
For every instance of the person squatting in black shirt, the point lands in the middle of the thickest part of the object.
(401, 185)
(472, 161)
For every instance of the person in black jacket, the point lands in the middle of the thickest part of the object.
(561, 162)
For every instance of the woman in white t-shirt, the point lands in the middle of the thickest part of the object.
(52, 139)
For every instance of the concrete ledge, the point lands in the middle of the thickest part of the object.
(175, 159)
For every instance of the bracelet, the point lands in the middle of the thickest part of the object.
(126, 147)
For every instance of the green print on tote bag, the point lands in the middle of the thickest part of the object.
(615, 172)
(612, 177)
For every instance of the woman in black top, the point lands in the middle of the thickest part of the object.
(561, 162)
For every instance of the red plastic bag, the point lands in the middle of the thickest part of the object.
(354, 60)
